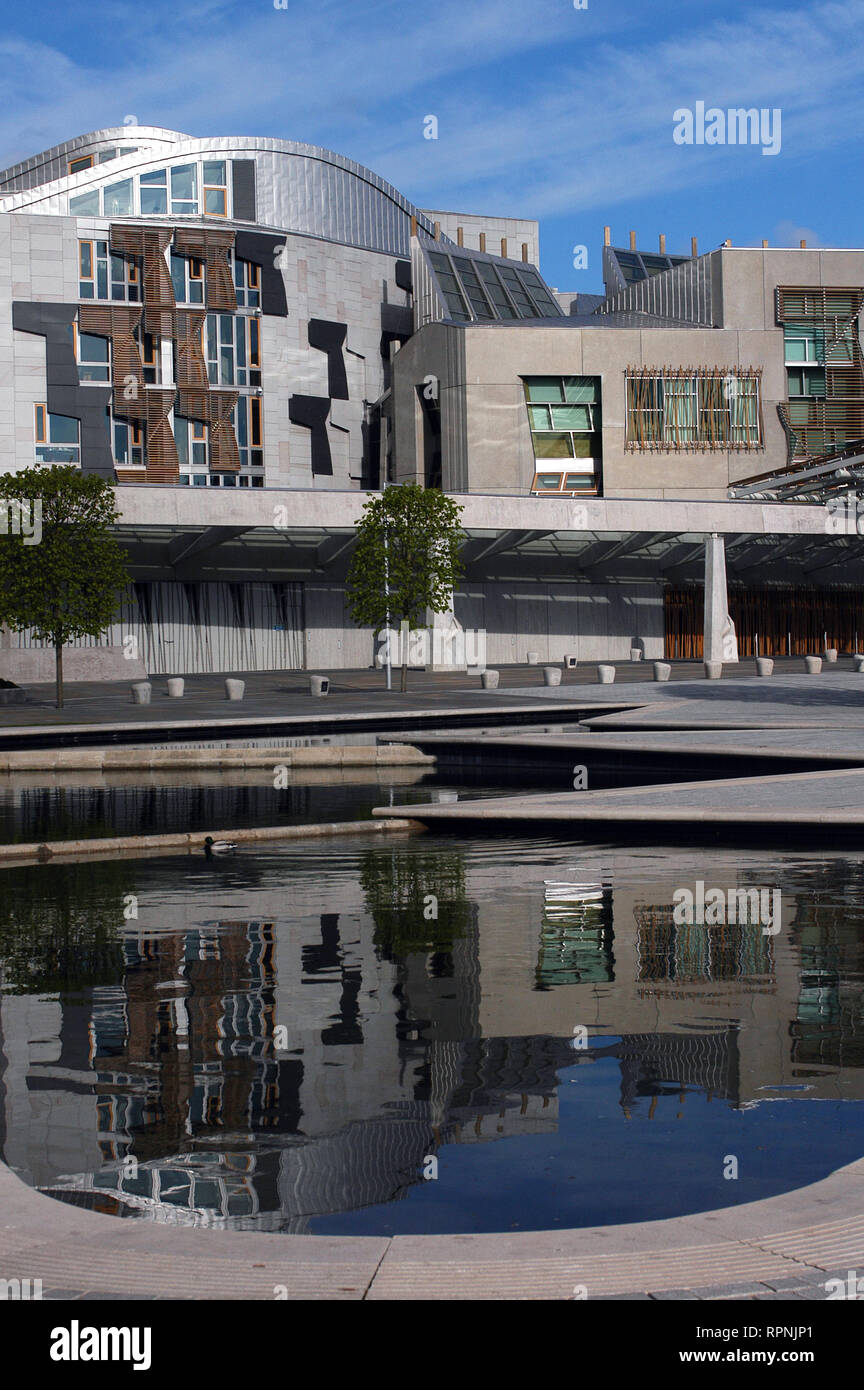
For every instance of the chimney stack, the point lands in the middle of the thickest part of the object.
(694, 246)
(607, 236)
(525, 251)
(413, 226)
(460, 237)
(632, 241)
(482, 241)
(764, 244)
(504, 247)
(437, 231)
(803, 245)
(663, 243)
(728, 242)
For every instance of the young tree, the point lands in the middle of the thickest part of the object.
(63, 580)
(406, 559)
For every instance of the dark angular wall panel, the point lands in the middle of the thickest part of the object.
(64, 394)
(260, 248)
(312, 412)
(330, 337)
(403, 276)
(243, 178)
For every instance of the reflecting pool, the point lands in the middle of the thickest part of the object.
(429, 1034)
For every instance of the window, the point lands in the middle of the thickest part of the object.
(151, 356)
(56, 437)
(488, 289)
(184, 188)
(85, 204)
(803, 342)
(247, 284)
(126, 278)
(117, 199)
(77, 166)
(805, 381)
(233, 350)
(128, 445)
(191, 439)
(449, 286)
(215, 188)
(104, 275)
(153, 192)
(92, 356)
(187, 277)
(703, 409)
(248, 429)
(564, 417)
(93, 269)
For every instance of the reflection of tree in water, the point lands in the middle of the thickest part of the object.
(417, 901)
(59, 926)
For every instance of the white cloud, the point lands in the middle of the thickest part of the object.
(538, 114)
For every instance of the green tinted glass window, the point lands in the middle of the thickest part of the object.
(544, 388)
(553, 446)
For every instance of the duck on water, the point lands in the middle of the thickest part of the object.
(212, 847)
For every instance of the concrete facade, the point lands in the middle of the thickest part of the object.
(388, 353)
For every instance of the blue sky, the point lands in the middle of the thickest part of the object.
(544, 110)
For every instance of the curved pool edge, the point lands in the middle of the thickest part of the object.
(797, 1238)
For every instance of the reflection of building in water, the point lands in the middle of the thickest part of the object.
(576, 942)
(694, 954)
(397, 1036)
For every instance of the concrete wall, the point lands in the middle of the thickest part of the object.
(593, 622)
(516, 230)
(497, 440)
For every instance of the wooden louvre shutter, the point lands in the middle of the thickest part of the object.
(118, 322)
(224, 453)
(211, 246)
(150, 243)
(192, 381)
(163, 465)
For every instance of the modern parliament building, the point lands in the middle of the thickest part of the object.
(248, 335)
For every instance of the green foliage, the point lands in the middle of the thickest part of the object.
(66, 586)
(406, 558)
(60, 926)
(397, 886)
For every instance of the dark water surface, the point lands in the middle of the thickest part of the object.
(374, 1036)
(79, 805)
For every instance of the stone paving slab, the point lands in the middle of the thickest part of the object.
(829, 798)
(833, 746)
(710, 1255)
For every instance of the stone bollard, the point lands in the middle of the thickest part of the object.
(813, 665)
(552, 675)
(175, 687)
(764, 666)
(533, 658)
(141, 692)
(830, 654)
(713, 670)
(662, 670)
(489, 680)
(605, 674)
(319, 685)
(859, 662)
(234, 689)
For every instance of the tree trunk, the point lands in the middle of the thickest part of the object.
(404, 685)
(58, 665)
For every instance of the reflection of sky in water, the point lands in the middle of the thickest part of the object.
(285, 1039)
